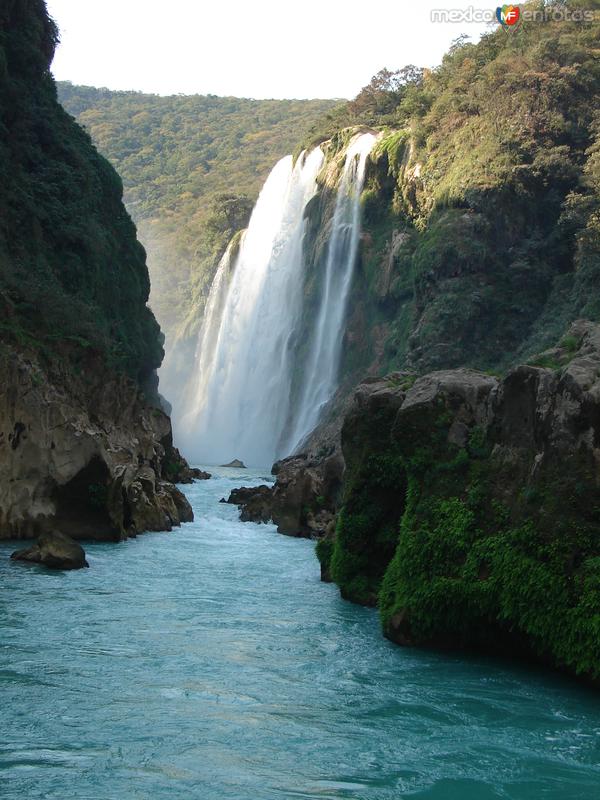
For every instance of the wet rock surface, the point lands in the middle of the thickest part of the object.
(177, 470)
(85, 454)
(54, 550)
(303, 500)
(471, 507)
(255, 503)
(199, 475)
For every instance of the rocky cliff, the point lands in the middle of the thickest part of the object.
(83, 453)
(480, 208)
(84, 444)
(466, 506)
(471, 507)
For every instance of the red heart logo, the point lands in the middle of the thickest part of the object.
(512, 15)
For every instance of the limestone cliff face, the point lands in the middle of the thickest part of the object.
(86, 454)
(468, 511)
(83, 443)
(471, 507)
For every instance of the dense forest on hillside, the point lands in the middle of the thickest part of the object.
(481, 210)
(73, 276)
(192, 167)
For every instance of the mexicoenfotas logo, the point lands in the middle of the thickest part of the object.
(508, 16)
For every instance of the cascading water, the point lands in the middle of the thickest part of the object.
(320, 375)
(243, 364)
(240, 404)
(209, 332)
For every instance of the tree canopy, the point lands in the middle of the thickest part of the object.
(192, 167)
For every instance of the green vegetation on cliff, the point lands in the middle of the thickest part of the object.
(192, 167)
(474, 567)
(72, 274)
(471, 508)
(481, 234)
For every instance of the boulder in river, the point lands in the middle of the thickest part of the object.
(200, 474)
(254, 502)
(236, 463)
(54, 550)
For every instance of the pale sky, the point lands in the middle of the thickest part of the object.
(258, 48)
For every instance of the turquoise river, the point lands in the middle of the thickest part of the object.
(211, 663)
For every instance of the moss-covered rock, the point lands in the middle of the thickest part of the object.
(73, 275)
(472, 509)
(84, 446)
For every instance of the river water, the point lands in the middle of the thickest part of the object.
(211, 663)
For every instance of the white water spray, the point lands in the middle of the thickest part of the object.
(322, 366)
(209, 334)
(240, 403)
(243, 367)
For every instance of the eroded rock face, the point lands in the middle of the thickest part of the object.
(471, 507)
(303, 500)
(85, 454)
(306, 494)
(54, 550)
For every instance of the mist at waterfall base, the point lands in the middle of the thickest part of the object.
(239, 402)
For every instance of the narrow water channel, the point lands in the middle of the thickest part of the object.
(211, 663)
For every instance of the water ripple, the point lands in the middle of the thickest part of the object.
(212, 663)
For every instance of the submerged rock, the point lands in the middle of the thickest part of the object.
(236, 463)
(54, 550)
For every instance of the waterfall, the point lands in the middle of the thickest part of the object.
(320, 374)
(209, 333)
(247, 356)
(243, 370)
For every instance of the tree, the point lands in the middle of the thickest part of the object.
(384, 92)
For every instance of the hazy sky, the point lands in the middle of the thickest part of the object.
(258, 48)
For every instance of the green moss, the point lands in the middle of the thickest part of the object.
(394, 146)
(402, 381)
(324, 551)
(367, 528)
(463, 549)
(469, 569)
(72, 274)
(546, 361)
(570, 344)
